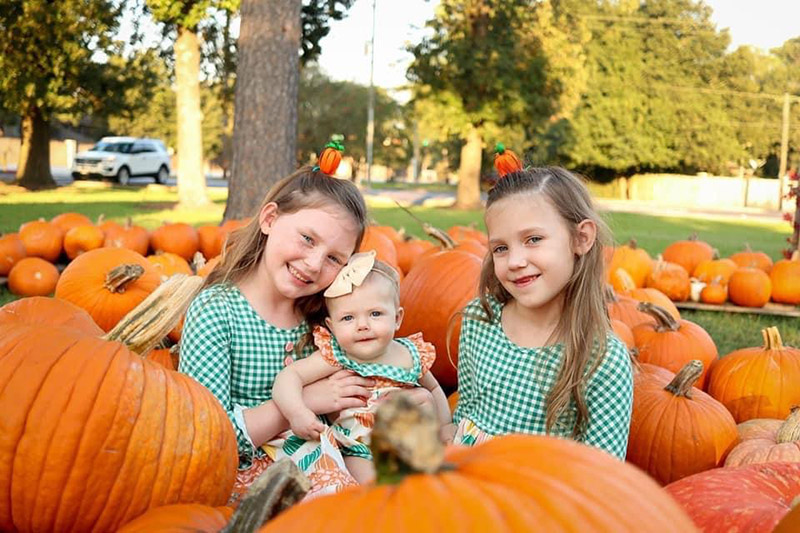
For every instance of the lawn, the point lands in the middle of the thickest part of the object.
(151, 205)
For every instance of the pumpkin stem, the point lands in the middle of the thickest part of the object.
(447, 242)
(405, 440)
(790, 429)
(684, 380)
(147, 323)
(198, 261)
(278, 488)
(632, 244)
(119, 277)
(664, 320)
(772, 338)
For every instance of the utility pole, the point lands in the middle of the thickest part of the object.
(371, 100)
(784, 150)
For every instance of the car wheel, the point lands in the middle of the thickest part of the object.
(163, 175)
(123, 176)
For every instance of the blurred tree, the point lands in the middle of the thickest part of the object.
(59, 59)
(274, 38)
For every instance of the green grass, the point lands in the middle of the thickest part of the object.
(149, 206)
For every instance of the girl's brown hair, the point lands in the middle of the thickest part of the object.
(307, 188)
(584, 304)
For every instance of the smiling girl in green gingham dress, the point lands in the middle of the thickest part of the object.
(536, 351)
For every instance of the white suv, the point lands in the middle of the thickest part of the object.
(123, 157)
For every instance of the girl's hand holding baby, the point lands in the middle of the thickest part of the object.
(306, 425)
(341, 390)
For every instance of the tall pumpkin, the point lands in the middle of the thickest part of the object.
(672, 343)
(513, 483)
(107, 283)
(750, 498)
(677, 430)
(93, 435)
(767, 440)
(433, 294)
(760, 382)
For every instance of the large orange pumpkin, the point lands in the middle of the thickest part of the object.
(185, 518)
(677, 430)
(11, 251)
(42, 239)
(785, 278)
(178, 238)
(462, 233)
(32, 276)
(750, 498)
(108, 283)
(408, 252)
(758, 382)
(383, 246)
(625, 309)
(38, 310)
(767, 440)
(749, 287)
(436, 289)
(513, 484)
(672, 343)
(210, 240)
(634, 260)
(93, 436)
(688, 253)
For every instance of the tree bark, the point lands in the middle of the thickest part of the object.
(468, 195)
(265, 111)
(33, 169)
(191, 177)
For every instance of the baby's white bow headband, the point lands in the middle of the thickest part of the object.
(351, 275)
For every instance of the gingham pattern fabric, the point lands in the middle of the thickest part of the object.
(503, 387)
(236, 354)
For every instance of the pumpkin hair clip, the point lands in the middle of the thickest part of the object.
(506, 161)
(330, 158)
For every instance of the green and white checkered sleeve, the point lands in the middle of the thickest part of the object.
(609, 397)
(466, 365)
(205, 353)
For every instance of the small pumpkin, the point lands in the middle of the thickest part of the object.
(330, 157)
(672, 279)
(42, 239)
(67, 221)
(749, 287)
(383, 246)
(677, 430)
(210, 239)
(11, 251)
(624, 333)
(709, 269)
(462, 233)
(178, 238)
(672, 343)
(505, 160)
(759, 382)
(129, 236)
(634, 260)
(80, 239)
(169, 264)
(33, 276)
(766, 440)
(750, 258)
(715, 292)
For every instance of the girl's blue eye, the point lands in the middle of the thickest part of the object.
(498, 249)
(534, 239)
(307, 238)
(335, 259)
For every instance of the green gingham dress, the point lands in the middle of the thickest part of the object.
(236, 354)
(503, 387)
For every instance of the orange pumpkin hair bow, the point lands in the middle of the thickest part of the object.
(330, 157)
(506, 161)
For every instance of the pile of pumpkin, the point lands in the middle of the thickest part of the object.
(29, 256)
(691, 269)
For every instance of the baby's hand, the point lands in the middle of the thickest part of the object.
(307, 426)
(447, 432)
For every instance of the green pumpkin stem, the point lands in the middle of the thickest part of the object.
(405, 441)
(278, 488)
(684, 380)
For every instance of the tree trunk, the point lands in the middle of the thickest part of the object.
(33, 169)
(191, 177)
(265, 111)
(469, 173)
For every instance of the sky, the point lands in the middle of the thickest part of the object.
(764, 24)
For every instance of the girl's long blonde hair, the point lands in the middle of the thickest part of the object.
(584, 324)
(306, 188)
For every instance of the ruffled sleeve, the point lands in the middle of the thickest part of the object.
(322, 339)
(427, 352)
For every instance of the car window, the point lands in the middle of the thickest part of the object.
(139, 148)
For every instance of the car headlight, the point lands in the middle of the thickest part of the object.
(109, 159)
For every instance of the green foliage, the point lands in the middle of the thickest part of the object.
(183, 13)
(61, 58)
(315, 18)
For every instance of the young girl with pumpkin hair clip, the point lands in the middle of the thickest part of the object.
(259, 306)
(363, 315)
(536, 351)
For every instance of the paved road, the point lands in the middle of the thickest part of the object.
(63, 177)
